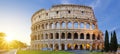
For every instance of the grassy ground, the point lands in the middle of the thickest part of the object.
(97, 53)
(42, 52)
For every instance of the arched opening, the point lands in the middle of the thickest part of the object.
(51, 45)
(62, 46)
(63, 25)
(75, 36)
(69, 25)
(51, 35)
(57, 25)
(82, 25)
(46, 46)
(42, 36)
(87, 46)
(56, 47)
(81, 36)
(42, 26)
(98, 47)
(63, 36)
(98, 38)
(57, 35)
(69, 36)
(87, 26)
(69, 46)
(93, 46)
(88, 36)
(52, 26)
(75, 25)
(81, 46)
(93, 37)
(75, 47)
(46, 37)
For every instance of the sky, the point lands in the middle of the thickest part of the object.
(15, 15)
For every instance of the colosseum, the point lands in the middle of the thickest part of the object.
(66, 27)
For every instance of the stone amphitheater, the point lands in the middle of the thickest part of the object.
(66, 27)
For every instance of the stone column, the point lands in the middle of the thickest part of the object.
(65, 46)
(84, 25)
(90, 26)
(78, 25)
(78, 46)
(84, 36)
(53, 46)
(59, 46)
(66, 23)
(66, 35)
(72, 34)
(72, 25)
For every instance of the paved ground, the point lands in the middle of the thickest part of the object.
(10, 52)
(79, 51)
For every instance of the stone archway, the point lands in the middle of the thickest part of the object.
(75, 47)
(56, 47)
(62, 46)
(93, 46)
(69, 46)
(81, 46)
(87, 46)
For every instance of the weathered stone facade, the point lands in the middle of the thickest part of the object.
(65, 27)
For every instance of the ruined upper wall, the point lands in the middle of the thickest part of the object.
(64, 11)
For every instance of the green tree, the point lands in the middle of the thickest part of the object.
(115, 43)
(111, 43)
(106, 43)
(2, 39)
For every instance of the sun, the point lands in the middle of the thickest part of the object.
(8, 38)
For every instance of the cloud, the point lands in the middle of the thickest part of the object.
(95, 4)
(65, 2)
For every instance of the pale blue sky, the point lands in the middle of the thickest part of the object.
(15, 15)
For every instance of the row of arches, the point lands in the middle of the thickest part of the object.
(65, 25)
(69, 46)
(67, 36)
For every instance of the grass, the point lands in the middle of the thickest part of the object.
(97, 53)
(42, 52)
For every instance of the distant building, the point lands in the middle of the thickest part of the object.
(66, 27)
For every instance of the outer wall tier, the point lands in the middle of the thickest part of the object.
(66, 27)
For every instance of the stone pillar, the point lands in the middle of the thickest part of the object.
(72, 34)
(84, 46)
(59, 36)
(84, 36)
(53, 46)
(66, 35)
(72, 46)
(90, 26)
(78, 46)
(90, 36)
(66, 23)
(72, 25)
(84, 25)
(78, 25)
(65, 46)
(54, 36)
(59, 46)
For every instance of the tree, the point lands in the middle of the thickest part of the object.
(115, 43)
(17, 44)
(106, 43)
(2, 39)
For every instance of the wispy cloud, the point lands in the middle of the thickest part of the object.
(65, 2)
(95, 4)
